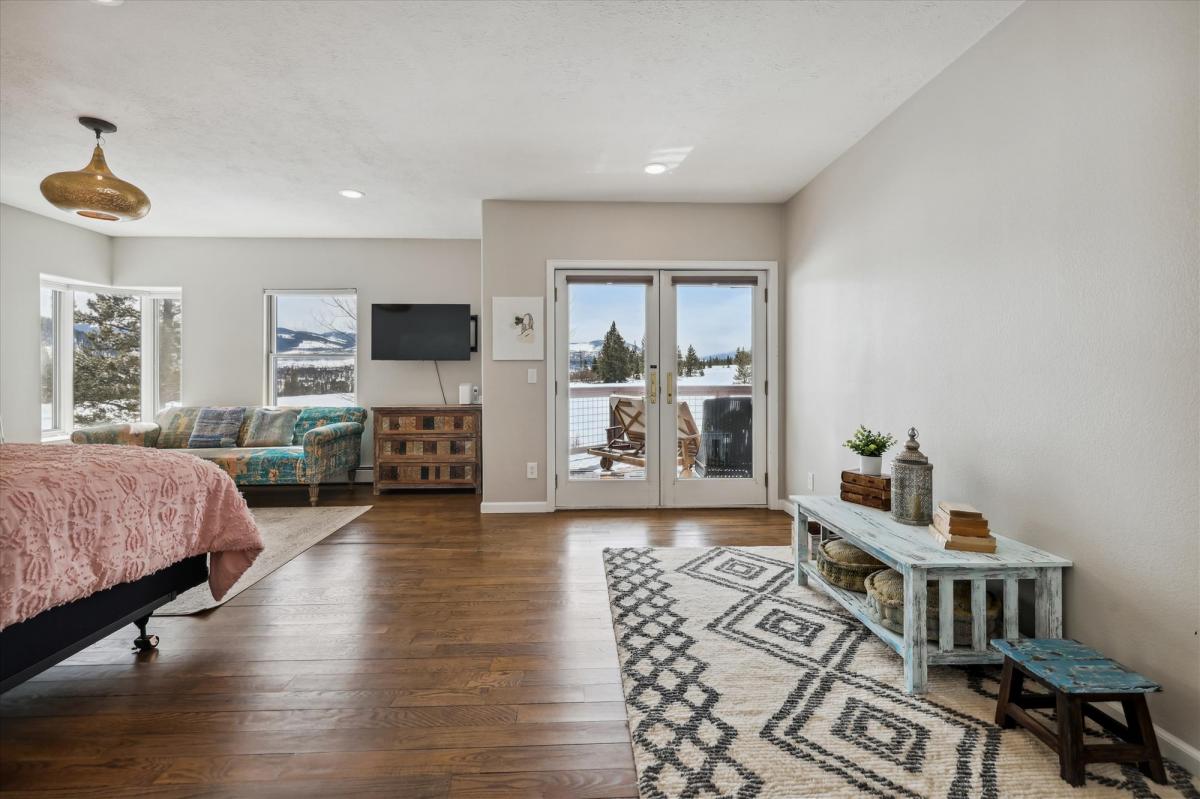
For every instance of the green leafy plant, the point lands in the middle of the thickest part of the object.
(869, 443)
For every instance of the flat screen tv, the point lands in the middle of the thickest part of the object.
(421, 332)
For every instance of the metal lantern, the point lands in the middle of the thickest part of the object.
(94, 191)
(912, 484)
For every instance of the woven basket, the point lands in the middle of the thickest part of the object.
(845, 565)
(885, 599)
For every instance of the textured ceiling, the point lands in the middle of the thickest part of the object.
(246, 118)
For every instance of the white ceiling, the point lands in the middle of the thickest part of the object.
(246, 118)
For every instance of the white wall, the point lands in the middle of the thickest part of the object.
(518, 239)
(223, 308)
(30, 246)
(1010, 263)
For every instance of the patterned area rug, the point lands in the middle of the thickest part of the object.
(286, 532)
(739, 683)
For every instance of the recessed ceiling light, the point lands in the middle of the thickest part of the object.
(353, 194)
(108, 2)
(655, 169)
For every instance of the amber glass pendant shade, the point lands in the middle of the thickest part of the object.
(94, 191)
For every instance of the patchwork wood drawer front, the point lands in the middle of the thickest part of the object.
(427, 473)
(433, 422)
(428, 446)
(413, 448)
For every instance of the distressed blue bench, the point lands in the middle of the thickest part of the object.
(1077, 676)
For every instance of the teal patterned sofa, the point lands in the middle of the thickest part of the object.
(325, 446)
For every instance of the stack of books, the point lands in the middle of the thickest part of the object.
(959, 526)
(874, 491)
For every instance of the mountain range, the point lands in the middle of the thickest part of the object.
(304, 341)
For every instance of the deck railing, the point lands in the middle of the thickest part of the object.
(590, 415)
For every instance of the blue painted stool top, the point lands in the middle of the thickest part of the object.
(1073, 668)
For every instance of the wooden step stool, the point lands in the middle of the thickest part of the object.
(1078, 676)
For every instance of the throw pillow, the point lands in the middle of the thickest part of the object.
(216, 427)
(272, 427)
(176, 425)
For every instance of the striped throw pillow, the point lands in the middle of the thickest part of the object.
(272, 427)
(216, 427)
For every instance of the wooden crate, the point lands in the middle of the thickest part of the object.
(428, 446)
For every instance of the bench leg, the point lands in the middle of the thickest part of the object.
(916, 647)
(800, 546)
(313, 489)
(1141, 731)
(1069, 715)
(1048, 620)
(1011, 682)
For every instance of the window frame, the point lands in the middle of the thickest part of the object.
(270, 299)
(61, 374)
(64, 348)
(151, 344)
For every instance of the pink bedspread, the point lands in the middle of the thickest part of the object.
(78, 519)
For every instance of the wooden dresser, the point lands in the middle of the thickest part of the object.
(428, 446)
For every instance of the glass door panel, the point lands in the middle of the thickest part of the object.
(714, 325)
(714, 404)
(606, 389)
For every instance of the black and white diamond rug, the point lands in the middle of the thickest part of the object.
(739, 683)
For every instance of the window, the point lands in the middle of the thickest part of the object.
(50, 301)
(107, 355)
(107, 363)
(168, 319)
(312, 347)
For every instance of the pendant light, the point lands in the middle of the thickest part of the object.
(94, 191)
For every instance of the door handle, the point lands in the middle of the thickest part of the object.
(670, 387)
(653, 392)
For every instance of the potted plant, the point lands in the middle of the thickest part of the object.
(870, 447)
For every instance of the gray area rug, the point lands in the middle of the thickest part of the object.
(286, 532)
(739, 683)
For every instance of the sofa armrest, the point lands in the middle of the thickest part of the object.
(332, 449)
(136, 434)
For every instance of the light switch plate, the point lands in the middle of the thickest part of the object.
(532, 376)
(531, 470)
(812, 481)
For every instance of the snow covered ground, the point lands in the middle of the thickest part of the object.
(308, 400)
(713, 376)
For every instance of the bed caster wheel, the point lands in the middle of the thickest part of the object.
(145, 643)
(606, 464)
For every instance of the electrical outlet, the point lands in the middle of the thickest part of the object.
(532, 376)
(812, 481)
(531, 470)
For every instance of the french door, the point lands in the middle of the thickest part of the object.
(660, 388)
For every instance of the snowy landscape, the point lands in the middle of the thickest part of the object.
(606, 357)
(316, 344)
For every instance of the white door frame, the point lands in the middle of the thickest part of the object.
(772, 381)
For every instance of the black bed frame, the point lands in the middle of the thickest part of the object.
(36, 644)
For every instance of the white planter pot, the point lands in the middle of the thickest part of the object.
(870, 465)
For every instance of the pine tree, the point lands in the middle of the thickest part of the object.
(612, 363)
(108, 361)
(741, 359)
(691, 363)
(633, 360)
(679, 363)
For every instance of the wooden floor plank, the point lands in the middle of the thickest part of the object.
(574, 784)
(422, 651)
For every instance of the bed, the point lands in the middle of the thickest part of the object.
(94, 538)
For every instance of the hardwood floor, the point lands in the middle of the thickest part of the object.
(422, 651)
